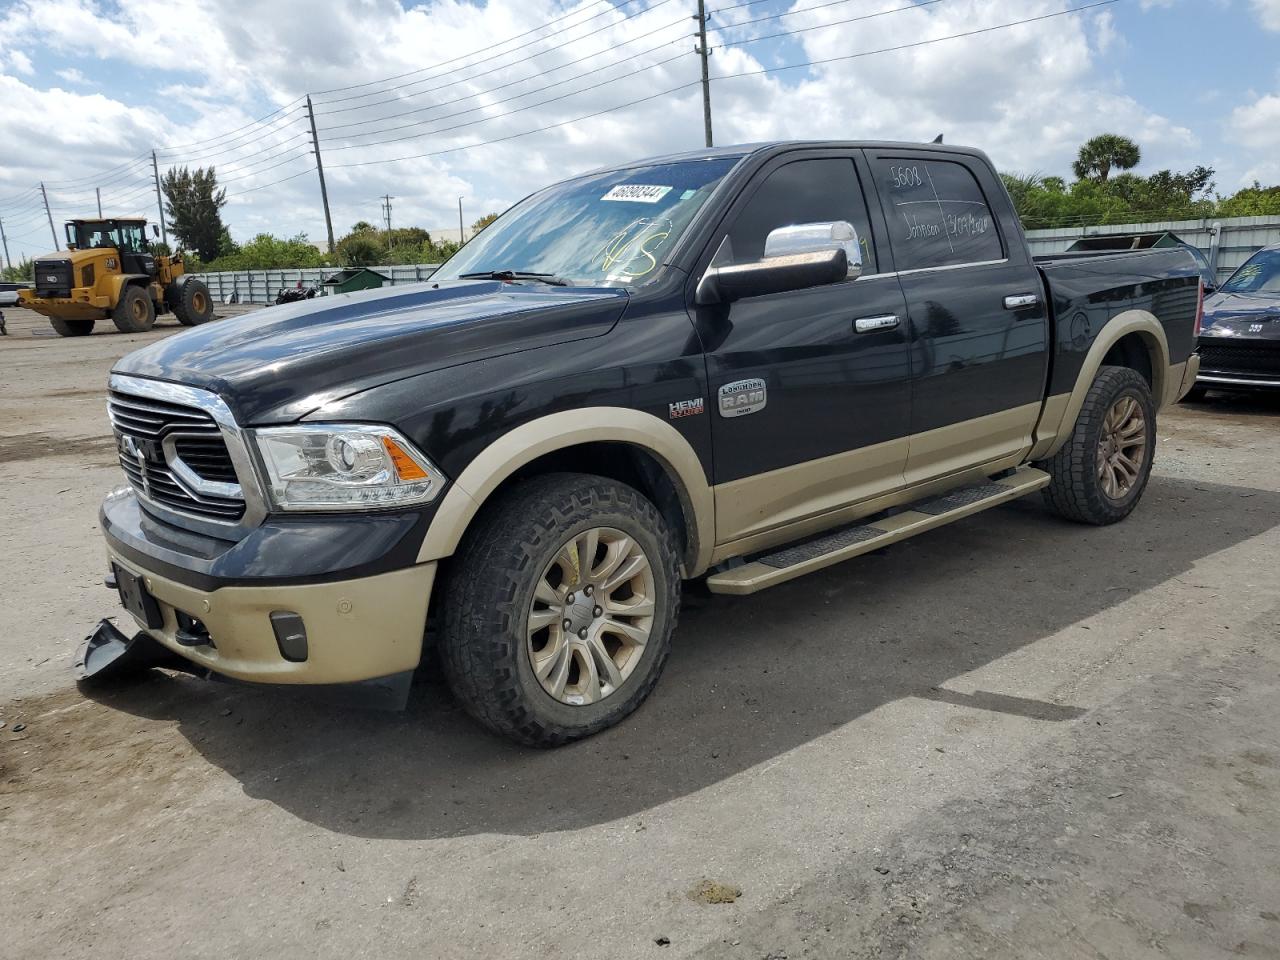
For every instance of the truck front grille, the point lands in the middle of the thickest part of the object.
(53, 278)
(172, 454)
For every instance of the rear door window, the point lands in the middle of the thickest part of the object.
(937, 213)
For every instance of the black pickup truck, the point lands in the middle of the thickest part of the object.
(740, 365)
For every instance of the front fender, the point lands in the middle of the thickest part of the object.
(559, 431)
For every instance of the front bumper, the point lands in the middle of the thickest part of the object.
(1238, 363)
(83, 304)
(363, 605)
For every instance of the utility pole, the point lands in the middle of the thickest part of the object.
(98, 191)
(324, 193)
(52, 232)
(462, 237)
(704, 51)
(5, 240)
(386, 215)
(164, 229)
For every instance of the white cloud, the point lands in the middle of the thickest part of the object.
(72, 75)
(1268, 12)
(1029, 95)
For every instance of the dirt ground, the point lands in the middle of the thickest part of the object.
(1012, 737)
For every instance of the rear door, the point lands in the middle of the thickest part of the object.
(979, 327)
(808, 413)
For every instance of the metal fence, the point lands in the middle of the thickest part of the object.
(1227, 242)
(261, 286)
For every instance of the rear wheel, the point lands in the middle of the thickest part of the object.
(72, 328)
(135, 312)
(1101, 471)
(191, 303)
(560, 608)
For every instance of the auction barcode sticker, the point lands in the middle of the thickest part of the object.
(637, 193)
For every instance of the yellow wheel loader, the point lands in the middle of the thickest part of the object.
(107, 271)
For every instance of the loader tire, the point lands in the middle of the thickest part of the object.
(135, 313)
(191, 303)
(72, 328)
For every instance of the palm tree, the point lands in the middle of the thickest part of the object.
(1105, 152)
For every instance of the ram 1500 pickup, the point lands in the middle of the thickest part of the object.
(740, 365)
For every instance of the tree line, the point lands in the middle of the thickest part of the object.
(1104, 191)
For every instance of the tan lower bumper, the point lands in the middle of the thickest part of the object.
(356, 629)
(1189, 375)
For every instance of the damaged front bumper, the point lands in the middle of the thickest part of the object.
(322, 602)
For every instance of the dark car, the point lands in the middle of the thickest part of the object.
(1239, 342)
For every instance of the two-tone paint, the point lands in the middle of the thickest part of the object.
(495, 380)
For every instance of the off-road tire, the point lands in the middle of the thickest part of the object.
(1076, 491)
(1196, 394)
(135, 313)
(191, 302)
(489, 592)
(72, 328)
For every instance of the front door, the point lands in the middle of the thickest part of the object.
(979, 325)
(808, 414)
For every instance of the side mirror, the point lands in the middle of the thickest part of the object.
(155, 231)
(795, 258)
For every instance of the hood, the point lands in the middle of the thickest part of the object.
(282, 362)
(1247, 316)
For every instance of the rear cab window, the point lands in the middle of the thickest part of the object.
(938, 215)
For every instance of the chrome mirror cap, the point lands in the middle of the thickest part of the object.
(814, 238)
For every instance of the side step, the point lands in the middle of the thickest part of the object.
(852, 541)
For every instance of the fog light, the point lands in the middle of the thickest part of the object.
(291, 635)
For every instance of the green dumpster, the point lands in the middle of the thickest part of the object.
(353, 279)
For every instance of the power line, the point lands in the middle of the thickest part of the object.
(746, 73)
(478, 93)
(171, 147)
(503, 66)
(263, 186)
(498, 116)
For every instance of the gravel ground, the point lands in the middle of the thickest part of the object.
(1013, 737)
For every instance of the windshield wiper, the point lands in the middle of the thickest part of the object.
(513, 275)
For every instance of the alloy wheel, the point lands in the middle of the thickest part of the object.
(591, 616)
(1122, 447)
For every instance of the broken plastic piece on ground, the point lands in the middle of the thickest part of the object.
(107, 654)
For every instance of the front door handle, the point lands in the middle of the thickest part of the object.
(1020, 301)
(871, 324)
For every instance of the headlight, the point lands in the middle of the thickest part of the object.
(344, 466)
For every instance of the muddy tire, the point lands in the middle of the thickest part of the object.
(559, 608)
(135, 313)
(191, 302)
(71, 328)
(1101, 471)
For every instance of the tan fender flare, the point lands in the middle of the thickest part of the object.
(121, 280)
(1061, 411)
(559, 431)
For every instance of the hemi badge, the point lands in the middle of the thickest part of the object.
(686, 408)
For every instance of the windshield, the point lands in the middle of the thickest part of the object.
(1260, 274)
(602, 229)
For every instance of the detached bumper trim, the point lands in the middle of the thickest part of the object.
(357, 629)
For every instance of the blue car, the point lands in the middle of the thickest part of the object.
(1239, 342)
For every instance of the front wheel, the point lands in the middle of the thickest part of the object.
(1101, 471)
(71, 328)
(135, 312)
(559, 609)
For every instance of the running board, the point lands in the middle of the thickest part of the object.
(828, 549)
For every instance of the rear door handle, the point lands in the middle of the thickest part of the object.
(1020, 301)
(871, 324)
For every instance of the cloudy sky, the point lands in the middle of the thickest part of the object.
(432, 101)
